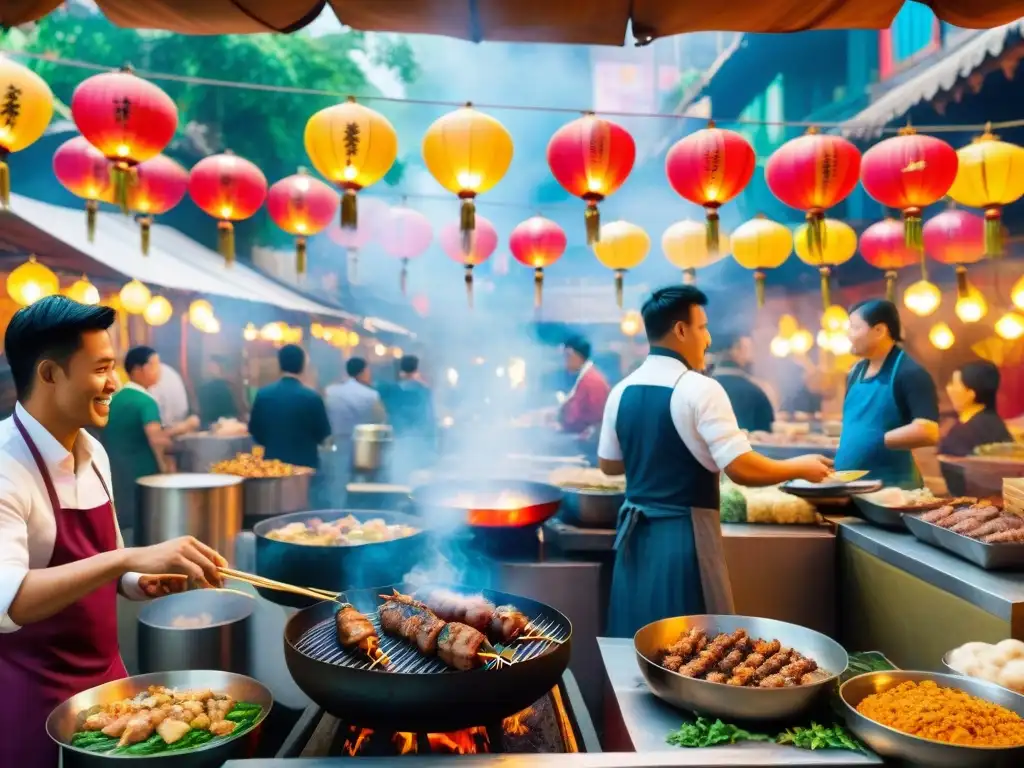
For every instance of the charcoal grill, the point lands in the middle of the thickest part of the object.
(416, 692)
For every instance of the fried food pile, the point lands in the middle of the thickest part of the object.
(343, 532)
(737, 659)
(253, 465)
(944, 714)
(983, 520)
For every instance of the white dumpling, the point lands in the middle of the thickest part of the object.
(988, 672)
(974, 648)
(1012, 675)
(994, 657)
(1013, 649)
(960, 659)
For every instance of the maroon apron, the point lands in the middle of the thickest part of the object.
(44, 664)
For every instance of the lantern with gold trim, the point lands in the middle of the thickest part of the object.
(483, 241)
(406, 235)
(228, 188)
(687, 247)
(623, 246)
(467, 152)
(301, 206)
(761, 244)
(884, 246)
(353, 147)
(26, 106)
(85, 172)
(591, 158)
(990, 176)
(157, 186)
(837, 246)
(537, 243)
(128, 119)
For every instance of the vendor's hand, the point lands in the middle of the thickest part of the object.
(186, 556)
(163, 584)
(192, 423)
(812, 468)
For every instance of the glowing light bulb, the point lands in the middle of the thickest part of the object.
(788, 326)
(922, 298)
(453, 376)
(972, 307)
(835, 319)
(631, 323)
(1017, 294)
(779, 346)
(250, 332)
(1010, 326)
(800, 343)
(824, 340)
(941, 336)
(839, 344)
(379, 350)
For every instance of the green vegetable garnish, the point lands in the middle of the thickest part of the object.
(703, 733)
(820, 737)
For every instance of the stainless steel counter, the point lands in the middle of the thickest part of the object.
(636, 719)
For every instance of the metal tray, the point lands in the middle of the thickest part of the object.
(990, 557)
(891, 517)
(830, 490)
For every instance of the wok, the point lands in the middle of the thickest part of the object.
(487, 503)
(334, 568)
(62, 723)
(419, 693)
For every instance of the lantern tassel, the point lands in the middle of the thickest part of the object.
(759, 287)
(92, 208)
(993, 233)
(890, 285)
(300, 256)
(349, 210)
(962, 288)
(826, 289)
(712, 231)
(122, 178)
(5, 181)
(403, 277)
(924, 264)
(592, 218)
(145, 227)
(467, 223)
(913, 228)
(226, 241)
(538, 286)
(816, 234)
(469, 285)
(689, 276)
(619, 276)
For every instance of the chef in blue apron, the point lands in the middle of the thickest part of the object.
(891, 404)
(671, 430)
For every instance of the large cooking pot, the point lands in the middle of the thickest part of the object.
(370, 445)
(487, 503)
(62, 723)
(591, 508)
(335, 568)
(269, 496)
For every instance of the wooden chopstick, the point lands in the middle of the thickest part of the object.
(260, 581)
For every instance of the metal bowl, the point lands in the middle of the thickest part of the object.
(731, 702)
(888, 742)
(63, 722)
(591, 509)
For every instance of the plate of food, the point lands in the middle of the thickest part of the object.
(838, 484)
(886, 507)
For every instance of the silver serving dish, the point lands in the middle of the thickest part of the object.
(990, 557)
(591, 509)
(730, 702)
(64, 721)
(922, 531)
(891, 517)
(888, 742)
(830, 490)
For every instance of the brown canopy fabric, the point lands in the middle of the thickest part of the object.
(597, 22)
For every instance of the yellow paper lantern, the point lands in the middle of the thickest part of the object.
(1017, 294)
(779, 346)
(788, 325)
(30, 282)
(631, 323)
(839, 344)
(761, 244)
(199, 311)
(621, 247)
(922, 298)
(210, 325)
(1010, 326)
(838, 244)
(135, 297)
(685, 244)
(800, 343)
(990, 174)
(353, 147)
(835, 319)
(26, 106)
(353, 339)
(273, 332)
(250, 332)
(83, 291)
(970, 305)
(468, 152)
(941, 336)
(158, 311)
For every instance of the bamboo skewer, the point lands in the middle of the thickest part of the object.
(259, 581)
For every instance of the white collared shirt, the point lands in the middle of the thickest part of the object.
(170, 395)
(28, 527)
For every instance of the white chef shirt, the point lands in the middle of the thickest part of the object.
(170, 395)
(28, 527)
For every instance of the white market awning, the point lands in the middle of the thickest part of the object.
(175, 261)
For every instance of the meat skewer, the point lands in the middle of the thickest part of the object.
(356, 631)
(503, 624)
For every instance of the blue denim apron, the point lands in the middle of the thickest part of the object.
(869, 412)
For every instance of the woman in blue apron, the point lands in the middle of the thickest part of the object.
(891, 405)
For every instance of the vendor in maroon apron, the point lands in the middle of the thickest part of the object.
(891, 405)
(61, 556)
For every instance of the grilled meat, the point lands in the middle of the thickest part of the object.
(981, 515)
(797, 668)
(1012, 536)
(717, 677)
(507, 624)
(456, 644)
(958, 516)
(997, 525)
(672, 662)
(459, 646)
(502, 624)
(935, 515)
(732, 660)
(767, 648)
(354, 629)
(772, 664)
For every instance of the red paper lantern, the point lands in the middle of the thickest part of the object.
(884, 246)
(909, 172)
(591, 157)
(537, 243)
(156, 186)
(126, 118)
(301, 206)
(955, 237)
(812, 173)
(84, 172)
(710, 168)
(228, 188)
(406, 235)
(482, 243)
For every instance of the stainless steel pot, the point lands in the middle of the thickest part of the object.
(272, 496)
(208, 507)
(201, 629)
(370, 445)
(591, 509)
(63, 721)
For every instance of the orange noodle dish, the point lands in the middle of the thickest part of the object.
(929, 711)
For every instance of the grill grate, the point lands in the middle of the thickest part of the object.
(320, 643)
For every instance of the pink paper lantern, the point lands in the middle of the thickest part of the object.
(483, 241)
(405, 234)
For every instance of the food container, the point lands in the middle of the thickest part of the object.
(830, 489)
(269, 496)
(891, 517)
(728, 702)
(371, 444)
(208, 507)
(200, 629)
(63, 721)
(990, 557)
(888, 742)
(198, 452)
(591, 508)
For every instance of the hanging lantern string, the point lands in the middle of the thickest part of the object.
(250, 86)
